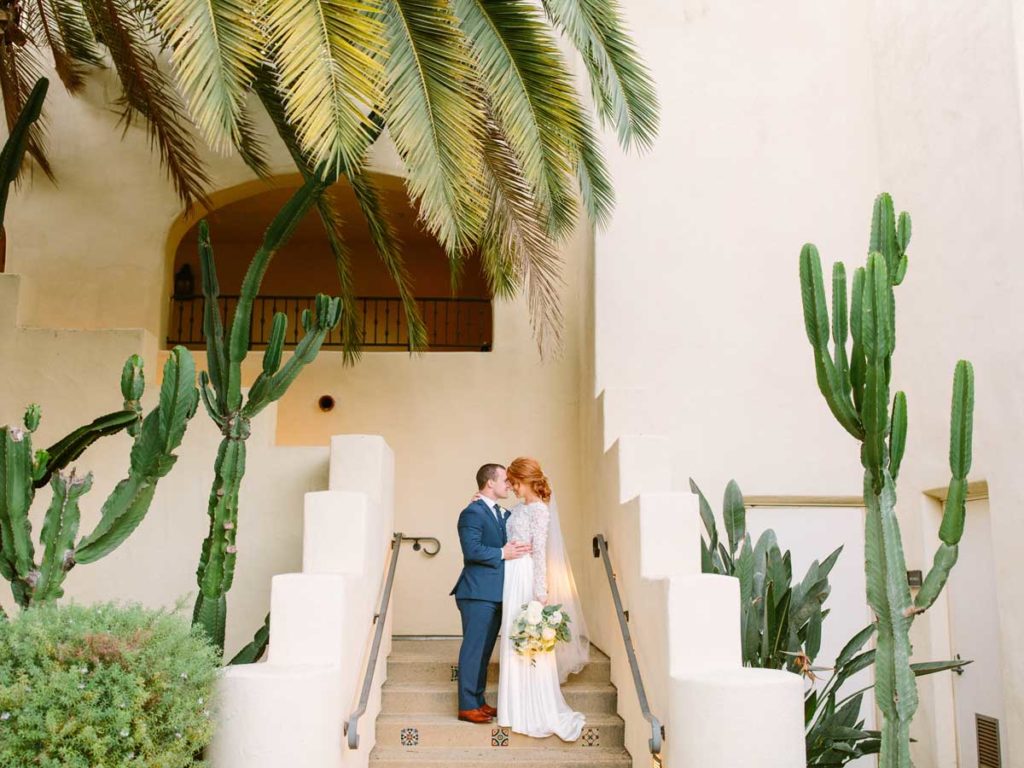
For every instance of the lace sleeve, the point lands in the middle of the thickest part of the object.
(539, 537)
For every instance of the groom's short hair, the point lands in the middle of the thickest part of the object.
(485, 473)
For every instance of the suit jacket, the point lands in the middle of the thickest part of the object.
(481, 537)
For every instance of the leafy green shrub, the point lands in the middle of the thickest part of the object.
(105, 685)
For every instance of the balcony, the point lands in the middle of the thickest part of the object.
(453, 324)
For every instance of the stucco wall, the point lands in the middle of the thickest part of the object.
(780, 124)
(94, 255)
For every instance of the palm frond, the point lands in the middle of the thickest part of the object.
(46, 28)
(390, 252)
(215, 50)
(435, 119)
(594, 179)
(75, 34)
(20, 70)
(532, 96)
(351, 333)
(621, 83)
(148, 92)
(327, 54)
(516, 249)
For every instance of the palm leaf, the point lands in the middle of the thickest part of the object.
(63, 28)
(621, 84)
(350, 331)
(532, 97)
(515, 249)
(20, 70)
(147, 92)
(327, 57)
(216, 48)
(389, 250)
(435, 118)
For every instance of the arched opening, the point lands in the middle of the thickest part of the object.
(459, 321)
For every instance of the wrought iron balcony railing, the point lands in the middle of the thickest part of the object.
(453, 324)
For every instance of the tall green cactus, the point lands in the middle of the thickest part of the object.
(221, 389)
(156, 436)
(858, 395)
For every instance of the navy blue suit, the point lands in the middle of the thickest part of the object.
(478, 595)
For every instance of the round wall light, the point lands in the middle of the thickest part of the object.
(325, 403)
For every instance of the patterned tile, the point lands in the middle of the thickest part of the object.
(655, 761)
(455, 672)
(410, 737)
(591, 737)
(499, 737)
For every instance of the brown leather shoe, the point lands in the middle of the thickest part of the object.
(474, 716)
(488, 710)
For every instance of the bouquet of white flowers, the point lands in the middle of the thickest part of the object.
(538, 628)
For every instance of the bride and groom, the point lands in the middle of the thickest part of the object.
(512, 558)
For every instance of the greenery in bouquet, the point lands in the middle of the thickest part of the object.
(539, 628)
(106, 685)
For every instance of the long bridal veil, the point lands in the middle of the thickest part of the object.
(573, 655)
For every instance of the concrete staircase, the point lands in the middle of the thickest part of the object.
(417, 724)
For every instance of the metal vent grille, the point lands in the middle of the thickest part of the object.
(989, 755)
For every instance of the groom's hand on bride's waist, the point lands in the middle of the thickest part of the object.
(515, 549)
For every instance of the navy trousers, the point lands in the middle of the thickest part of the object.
(481, 620)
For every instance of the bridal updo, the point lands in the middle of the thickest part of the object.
(527, 471)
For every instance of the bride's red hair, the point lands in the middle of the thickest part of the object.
(528, 471)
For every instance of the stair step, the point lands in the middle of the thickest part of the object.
(442, 698)
(552, 757)
(434, 660)
(446, 730)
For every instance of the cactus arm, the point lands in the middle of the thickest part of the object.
(271, 357)
(213, 328)
(328, 314)
(839, 327)
(935, 581)
(280, 230)
(858, 363)
(889, 598)
(16, 494)
(897, 434)
(211, 614)
(960, 450)
(217, 560)
(883, 232)
(877, 350)
(209, 397)
(817, 326)
(57, 536)
(903, 231)
(14, 148)
(152, 457)
(70, 447)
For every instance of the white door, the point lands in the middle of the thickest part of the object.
(974, 631)
(812, 533)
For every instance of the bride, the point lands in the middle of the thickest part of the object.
(530, 697)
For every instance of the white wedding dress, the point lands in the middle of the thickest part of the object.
(530, 697)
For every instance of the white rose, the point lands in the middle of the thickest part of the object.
(548, 633)
(533, 615)
(556, 618)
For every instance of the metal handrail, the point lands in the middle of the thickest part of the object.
(379, 618)
(657, 729)
(429, 545)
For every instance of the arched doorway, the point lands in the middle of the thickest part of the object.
(455, 321)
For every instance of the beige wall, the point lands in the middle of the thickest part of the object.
(781, 123)
(94, 254)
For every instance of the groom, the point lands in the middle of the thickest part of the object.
(485, 548)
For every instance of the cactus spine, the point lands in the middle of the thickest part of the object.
(21, 473)
(858, 396)
(221, 389)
